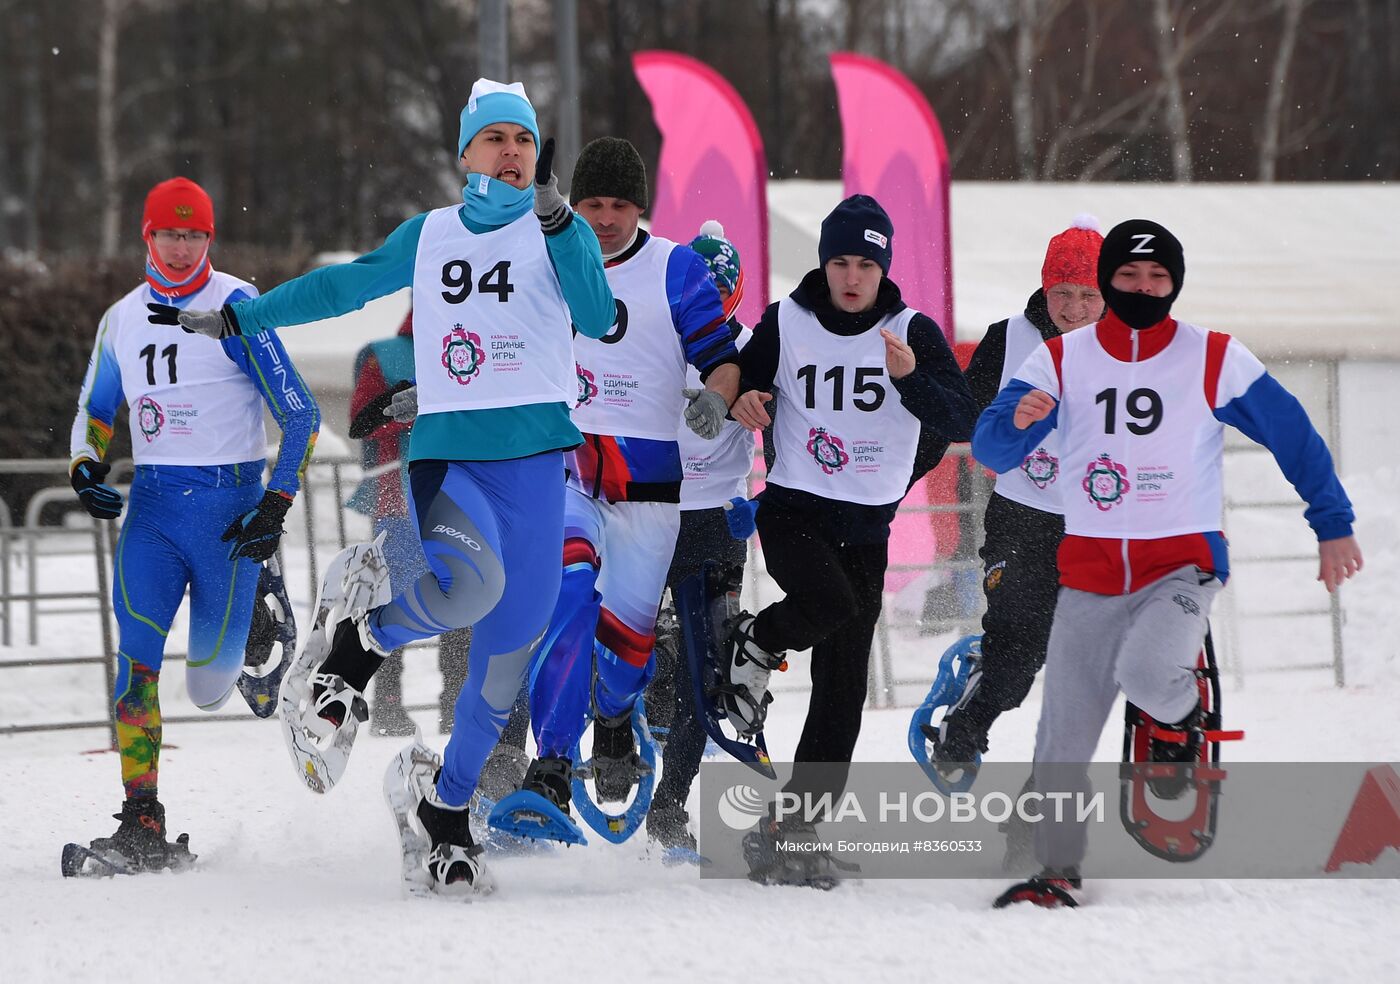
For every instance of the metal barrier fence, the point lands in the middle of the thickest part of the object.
(320, 524)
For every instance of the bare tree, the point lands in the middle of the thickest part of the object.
(35, 125)
(1169, 56)
(1034, 22)
(1278, 89)
(108, 156)
(1176, 43)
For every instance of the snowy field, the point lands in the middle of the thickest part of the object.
(299, 885)
(294, 885)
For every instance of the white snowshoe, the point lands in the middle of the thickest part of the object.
(320, 735)
(451, 870)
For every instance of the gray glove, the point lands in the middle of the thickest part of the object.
(553, 211)
(706, 412)
(215, 324)
(404, 406)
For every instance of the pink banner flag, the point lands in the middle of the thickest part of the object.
(712, 165)
(893, 150)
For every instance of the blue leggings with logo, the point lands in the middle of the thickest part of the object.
(175, 516)
(492, 533)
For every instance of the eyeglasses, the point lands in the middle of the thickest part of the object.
(169, 237)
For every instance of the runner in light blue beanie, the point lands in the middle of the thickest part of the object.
(496, 102)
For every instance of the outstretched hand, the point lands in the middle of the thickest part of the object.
(213, 324)
(1338, 560)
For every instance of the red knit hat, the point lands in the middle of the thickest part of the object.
(1073, 256)
(177, 204)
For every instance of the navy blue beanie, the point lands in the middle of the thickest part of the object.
(857, 227)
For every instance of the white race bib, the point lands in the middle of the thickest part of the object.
(490, 326)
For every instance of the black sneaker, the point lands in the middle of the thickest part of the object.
(1170, 787)
(140, 839)
(550, 777)
(669, 827)
(338, 685)
(789, 852)
(616, 764)
(956, 745)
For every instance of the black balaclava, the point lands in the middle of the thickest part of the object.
(1140, 239)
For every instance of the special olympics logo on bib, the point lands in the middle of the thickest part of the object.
(587, 386)
(150, 418)
(1106, 482)
(1042, 468)
(462, 354)
(827, 450)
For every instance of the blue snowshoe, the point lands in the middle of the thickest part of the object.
(616, 768)
(706, 611)
(540, 809)
(949, 688)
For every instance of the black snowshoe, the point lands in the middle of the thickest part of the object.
(139, 845)
(789, 852)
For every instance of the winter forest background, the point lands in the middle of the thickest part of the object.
(319, 125)
(323, 123)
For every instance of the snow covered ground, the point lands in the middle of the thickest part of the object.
(293, 885)
(298, 885)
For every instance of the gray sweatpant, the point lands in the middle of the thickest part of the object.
(1145, 644)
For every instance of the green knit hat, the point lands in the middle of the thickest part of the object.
(610, 167)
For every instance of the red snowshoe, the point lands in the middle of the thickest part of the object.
(1163, 763)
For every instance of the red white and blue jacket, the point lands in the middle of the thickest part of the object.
(1140, 417)
(636, 458)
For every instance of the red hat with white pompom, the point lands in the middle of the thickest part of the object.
(1073, 256)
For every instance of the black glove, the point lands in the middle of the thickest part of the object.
(222, 323)
(551, 209)
(373, 415)
(101, 501)
(256, 532)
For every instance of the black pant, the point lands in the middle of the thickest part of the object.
(704, 535)
(833, 592)
(1021, 581)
